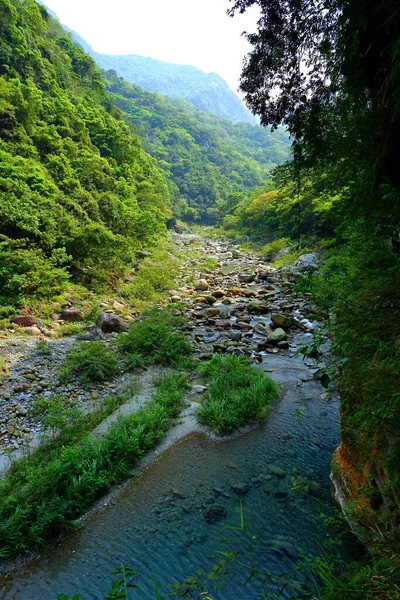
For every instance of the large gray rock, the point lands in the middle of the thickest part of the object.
(92, 334)
(307, 262)
(110, 323)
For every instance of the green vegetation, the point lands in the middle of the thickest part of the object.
(209, 162)
(206, 91)
(155, 276)
(237, 395)
(341, 195)
(79, 193)
(43, 495)
(153, 340)
(90, 361)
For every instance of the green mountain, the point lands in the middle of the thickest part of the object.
(207, 159)
(206, 91)
(78, 191)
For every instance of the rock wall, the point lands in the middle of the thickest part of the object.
(366, 485)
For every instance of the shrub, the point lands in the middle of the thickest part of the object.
(277, 245)
(238, 393)
(153, 340)
(90, 361)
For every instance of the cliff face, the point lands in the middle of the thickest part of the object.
(365, 484)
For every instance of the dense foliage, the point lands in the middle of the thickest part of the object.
(238, 394)
(207, 159)
(78, 191)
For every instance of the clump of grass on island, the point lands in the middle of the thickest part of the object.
(45, 493)
(237, 394)
(154, 340)
(90, 362)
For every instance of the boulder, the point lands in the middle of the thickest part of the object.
(243, 325)
(261, 330)
(211, 312)
(92, 334)
(281, 320)
(215, 514)
(71, 314)
(277, 336)
(282, 253)
(222, 324)
(109, 323)
(307, 262)
(24, 320)
(246, 278)
(258, 307)
(236, 336)
(118, 306)
(202, 285)
(33, 330)
(143, 254)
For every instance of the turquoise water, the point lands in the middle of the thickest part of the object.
(158, 524)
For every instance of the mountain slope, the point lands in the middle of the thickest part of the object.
(206, 158)
(206, 91)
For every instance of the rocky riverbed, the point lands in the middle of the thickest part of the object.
(242, 306)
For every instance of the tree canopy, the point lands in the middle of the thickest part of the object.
(329, 70)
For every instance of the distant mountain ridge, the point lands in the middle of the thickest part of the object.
(206, 91)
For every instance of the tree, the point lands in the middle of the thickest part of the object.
(329, 71)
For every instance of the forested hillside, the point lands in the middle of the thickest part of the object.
(206, 91)
(78, 191)
(206, 159)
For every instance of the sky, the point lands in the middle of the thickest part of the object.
(191, 32)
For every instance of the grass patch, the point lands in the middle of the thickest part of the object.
(289, 259)
(276, 246)
(44, 494)
(237, 394)
(89, 362)
(155, 276)
(68, 329)
(154, 340)
(44, 348)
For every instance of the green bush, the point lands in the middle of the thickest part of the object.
(90, 361)
(237, 394)
(153, 340)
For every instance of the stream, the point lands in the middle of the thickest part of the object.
(170, 520)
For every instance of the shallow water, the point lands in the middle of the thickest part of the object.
(158, 523)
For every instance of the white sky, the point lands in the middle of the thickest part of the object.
(191, 32)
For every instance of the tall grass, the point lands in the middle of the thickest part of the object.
(44, 494)
(237, 395)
